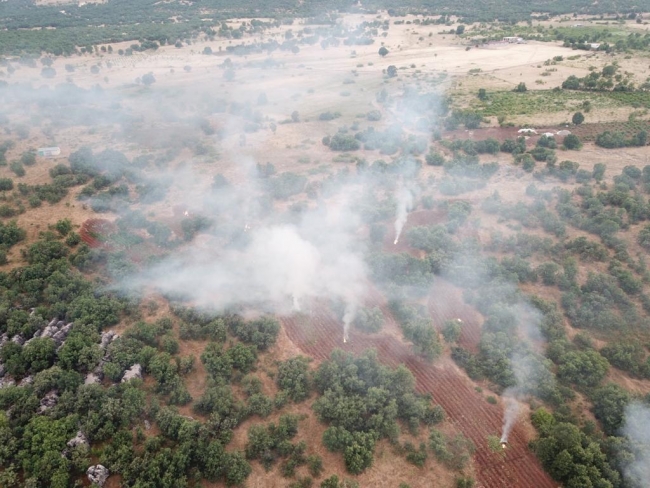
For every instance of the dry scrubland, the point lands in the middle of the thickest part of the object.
(343, 79)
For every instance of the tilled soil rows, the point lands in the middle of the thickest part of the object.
(317, 332)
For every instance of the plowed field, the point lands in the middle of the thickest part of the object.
(317, 332)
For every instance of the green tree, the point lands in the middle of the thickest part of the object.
(572, 142)
(148, 79)
(6, 184)
(293, 377)
(242, 357)
(609, 406)
(583, 368)
(451, 330)
(578, 118)
(383, 51)
(39, 354)
(599, 171)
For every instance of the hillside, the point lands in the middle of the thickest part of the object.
(375, 251)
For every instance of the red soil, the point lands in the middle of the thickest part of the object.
(95, 231)
(317, 332)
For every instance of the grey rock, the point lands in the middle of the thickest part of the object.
(78, 440)
(147, 425)
(18, 339)
(91, 379)
(99, 370)
(2, 370)
(50, 399)
(97, 474)
(53, 322)
(59, 337)
(134, 371)
(27, 380)
(107, 338)
(49, 331)
(6, 381)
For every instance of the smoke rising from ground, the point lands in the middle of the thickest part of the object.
(404, 198)
(637, 429)
(510, 413)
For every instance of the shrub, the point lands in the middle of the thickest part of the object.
(6, 184)
(572, 142)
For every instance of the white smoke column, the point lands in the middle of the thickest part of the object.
(404, 205)
(637, 429)
(348, 317)
(510, 415)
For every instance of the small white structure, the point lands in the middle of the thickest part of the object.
(563, 133)
(527, 131)
(595, 46)
(548, 134)
(49, 152)
(513, 40)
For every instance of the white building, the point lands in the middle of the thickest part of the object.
(48, 152)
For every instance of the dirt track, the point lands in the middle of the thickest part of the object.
(318, 332)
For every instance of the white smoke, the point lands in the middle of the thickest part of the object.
(348, 317)
(637, 429)
(510, 413)
(404, 206)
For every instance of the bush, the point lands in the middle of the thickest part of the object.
(373, 115)
(583, 368)
(572, 142)
(343, 142)
(434, 158)
(578, 118)
(369, 319)
(63, 227)
(6, 184)
(451, 330)
(293, 377)
(611, 140)
(329, 116)
(18, 168)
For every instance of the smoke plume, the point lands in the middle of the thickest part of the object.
(637, 429)
(510, 413)
(404, 205)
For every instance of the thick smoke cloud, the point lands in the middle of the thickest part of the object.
(278, 266)
(637, 429)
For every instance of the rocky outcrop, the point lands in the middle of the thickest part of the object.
(97, 474)
(91, 379)
(50, 399)
(78, 440)
(134, 372)
(107, 338)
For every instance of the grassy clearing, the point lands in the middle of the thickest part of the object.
(550, 101)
